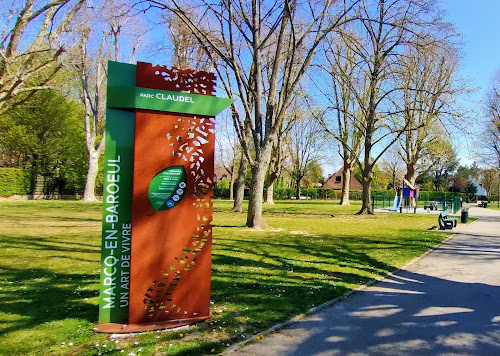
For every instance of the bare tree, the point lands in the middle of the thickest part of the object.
(427, 82)
(243, 136)
(229, 152)
(268, 46)
(383, 33)
(281, 147)
(276, 164)
(443, 160)
(240, 184)
(190, 52)
(31, 46)
(493, 126)
(340, 66)
(392, 163)
(304, 147)
(100, 32)
(489, 179)
(492, 152)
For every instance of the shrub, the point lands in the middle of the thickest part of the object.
(223, 184)
(221, 193)
(284, 193)
(14, 181)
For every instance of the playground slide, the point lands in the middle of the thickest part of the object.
(397, 203)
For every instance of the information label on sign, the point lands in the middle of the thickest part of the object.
(167, 188)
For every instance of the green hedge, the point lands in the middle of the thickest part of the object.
(14, 181)
(221, 193)
(284, 193)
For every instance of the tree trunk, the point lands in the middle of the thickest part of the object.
(367, 177)
(269, 194)
(366, 208)
(254, 215)
(231, 186)
(346, 182)
(410, 174)
(89, 192)
(273, 172)
(297, 189)
(240, 186)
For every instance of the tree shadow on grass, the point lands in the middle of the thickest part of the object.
(239, 226)
(292, 213)
(41, 295)
(271, 281)
(21, 216)
(47, 244)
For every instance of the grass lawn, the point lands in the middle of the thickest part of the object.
(315, 251)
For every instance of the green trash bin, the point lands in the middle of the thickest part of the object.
(464, 217)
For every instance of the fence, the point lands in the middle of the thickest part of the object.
(438, 200)
(380, 198)
(315, 193)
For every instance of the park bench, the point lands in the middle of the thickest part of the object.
(430, 206)
(446, 222)
(440, 205)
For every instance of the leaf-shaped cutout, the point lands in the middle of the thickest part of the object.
(167, 188)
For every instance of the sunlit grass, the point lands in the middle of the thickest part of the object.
(313, 252)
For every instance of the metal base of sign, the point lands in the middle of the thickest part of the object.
(113, 328)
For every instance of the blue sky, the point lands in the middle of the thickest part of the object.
(479, 23)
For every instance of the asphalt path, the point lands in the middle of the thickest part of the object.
(447, 303)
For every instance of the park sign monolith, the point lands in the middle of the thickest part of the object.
(157, 208)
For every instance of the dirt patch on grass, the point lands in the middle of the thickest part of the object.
(303, 233)
(266, 229)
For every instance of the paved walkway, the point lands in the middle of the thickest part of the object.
(446, 303)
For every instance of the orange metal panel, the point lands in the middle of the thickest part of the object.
(174, 79)
(171, 249)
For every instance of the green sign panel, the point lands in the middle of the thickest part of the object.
(127, 97)
(167, 188)
(117, 204)
(117, 216)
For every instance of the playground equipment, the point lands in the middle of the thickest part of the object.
(409, 194)
(397, 203)
(406, 198)
(438, 201)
